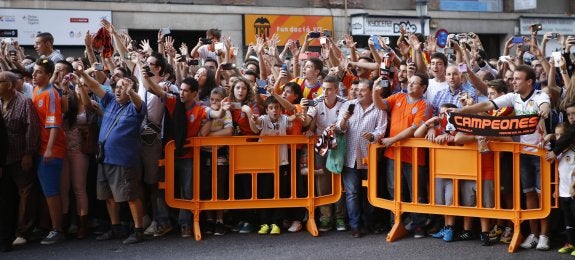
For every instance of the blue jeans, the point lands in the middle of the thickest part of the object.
(184, 173)
(358, 208)
(406, 178)
(530, 173)
(162, 214)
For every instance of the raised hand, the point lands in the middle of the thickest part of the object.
(259, 44)
(88, 39)
(349, 43)
(273, 42)
(227, 42)
(169, 44)
(431, 43)
(145, 45)
(184, 49)
(106, 24)
(414, 42)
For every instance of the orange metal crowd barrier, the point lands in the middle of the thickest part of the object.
(460, 163)
(248, 155)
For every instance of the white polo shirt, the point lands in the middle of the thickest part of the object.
(527, 106)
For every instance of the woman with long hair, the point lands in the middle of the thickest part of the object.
(80, 115)
(207, 80)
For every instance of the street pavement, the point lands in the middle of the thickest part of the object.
(329, 245)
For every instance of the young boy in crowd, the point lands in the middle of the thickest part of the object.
(566, 190)
(434, 131)
(273, 123)
(216, 127)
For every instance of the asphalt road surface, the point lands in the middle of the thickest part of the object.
(329, 245)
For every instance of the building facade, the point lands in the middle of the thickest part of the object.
(493, 20)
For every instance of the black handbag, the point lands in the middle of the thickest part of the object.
(90, 136)
(150, 132)
(100, 153)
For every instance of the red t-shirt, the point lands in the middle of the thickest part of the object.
(242, 122)
(487, 166)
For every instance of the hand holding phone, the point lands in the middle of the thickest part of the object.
(556, 58)
(351, 108)
(314, 34)
(98, 66)
(376, 44)
(228, 66)
(384, 83)
(205, 41)
(517, 39)
(536, 27)
(165, 31)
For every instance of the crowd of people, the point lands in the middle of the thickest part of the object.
(82, 135)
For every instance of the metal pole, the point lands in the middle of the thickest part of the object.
(347, 21)
(422, 20)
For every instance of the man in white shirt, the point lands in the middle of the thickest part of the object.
(437, 67)
(151, 149)
(526, 101)
(322, 113)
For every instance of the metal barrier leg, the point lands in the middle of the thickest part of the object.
(197, 230)
(310, 225)
(517, 237)
(398, 230)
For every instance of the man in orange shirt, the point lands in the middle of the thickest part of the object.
(407, 112)
(187, 117)
(52, 144)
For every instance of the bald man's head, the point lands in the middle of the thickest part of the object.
(7, 83)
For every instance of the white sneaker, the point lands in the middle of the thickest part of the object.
(295, 226)
(152, 229)
(543, 244)
(19, 241)
(530, 242)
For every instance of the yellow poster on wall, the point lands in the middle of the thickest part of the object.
(293, 27)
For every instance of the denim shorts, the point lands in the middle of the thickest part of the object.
(530, 173)
(49, 176)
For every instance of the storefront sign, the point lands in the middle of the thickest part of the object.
(471, 5)
(294, 27)
(67, 26)
(525, 4)
(388, 26)
(564, 26)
